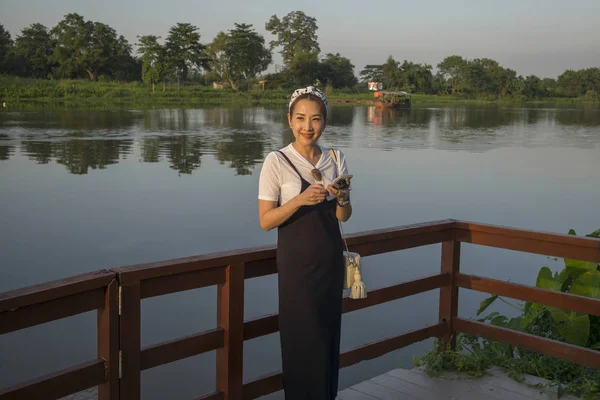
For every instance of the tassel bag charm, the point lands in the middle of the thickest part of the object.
(358, 289)
(352, 275)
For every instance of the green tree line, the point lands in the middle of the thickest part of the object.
(77, 48)
(481, 77)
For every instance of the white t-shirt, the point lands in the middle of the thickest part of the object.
(279, 182)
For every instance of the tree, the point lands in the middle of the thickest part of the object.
(485, 76)
(339, 70)
(152, 58)
(184, 50)
(581, 82)
(550, 86)
(515, 84)
(439, 84)
(86, 47)
(390, 74)
(533, 87)
(125, 67)
(406, 76)
(246, 54)
(454, 70)
(36, 46)
(305, 69)
(296, 33)
(217, 58)
(570, 83)
(6, 44)
(371, 73)
(509, 82)
(480, 76)
(415, 77)
(488, 76)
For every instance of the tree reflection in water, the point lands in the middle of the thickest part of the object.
(241, 136)
(6, 150)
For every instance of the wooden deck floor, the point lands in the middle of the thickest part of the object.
(414, 384)
(403, 384)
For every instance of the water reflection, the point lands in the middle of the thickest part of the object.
(240, 137)
(6, 152)
(148, 214)
(78, 156)
(55, 123)
(242, 151)
(589, 117)
(384, 116)
(183, 153)
(341, 115)
(40, 152)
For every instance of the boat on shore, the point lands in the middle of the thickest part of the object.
(392, 99)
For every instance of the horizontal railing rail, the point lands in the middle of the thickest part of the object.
(549, 244)
(117, 295)
(51, 301)
(228, 271)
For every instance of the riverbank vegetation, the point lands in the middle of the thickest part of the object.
(52, 62)
(473, 356)
(19, 92)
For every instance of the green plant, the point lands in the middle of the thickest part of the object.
(473, 356)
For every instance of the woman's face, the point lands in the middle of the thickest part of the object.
(307, 122)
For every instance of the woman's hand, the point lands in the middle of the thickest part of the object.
(343, 210)
(315, 194)
(341, 194)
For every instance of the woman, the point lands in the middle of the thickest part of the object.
(306, 209)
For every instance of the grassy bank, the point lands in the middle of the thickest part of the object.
(34, 93)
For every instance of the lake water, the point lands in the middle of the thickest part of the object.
(88, 190)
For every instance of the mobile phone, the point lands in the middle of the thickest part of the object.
(341, 182)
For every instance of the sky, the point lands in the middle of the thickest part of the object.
(540, 37)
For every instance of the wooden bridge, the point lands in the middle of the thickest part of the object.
(116, 294)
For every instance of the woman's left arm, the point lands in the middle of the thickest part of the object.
(343, 213)
(343, 209)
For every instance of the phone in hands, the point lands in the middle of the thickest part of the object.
(342, 181)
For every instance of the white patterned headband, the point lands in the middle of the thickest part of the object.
(308, 90)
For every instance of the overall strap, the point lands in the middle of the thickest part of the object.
(291, 163)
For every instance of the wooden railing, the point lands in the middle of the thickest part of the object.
(117, 295)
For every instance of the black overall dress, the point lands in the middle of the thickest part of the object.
(311, 273)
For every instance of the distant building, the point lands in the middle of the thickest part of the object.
(375, 86)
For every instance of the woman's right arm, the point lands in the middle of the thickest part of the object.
(271, 216)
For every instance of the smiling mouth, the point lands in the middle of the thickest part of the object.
(308, 135)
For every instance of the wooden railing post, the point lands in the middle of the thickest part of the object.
(230, 317)
(108, 342)
(130, 332)
(449, 294)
